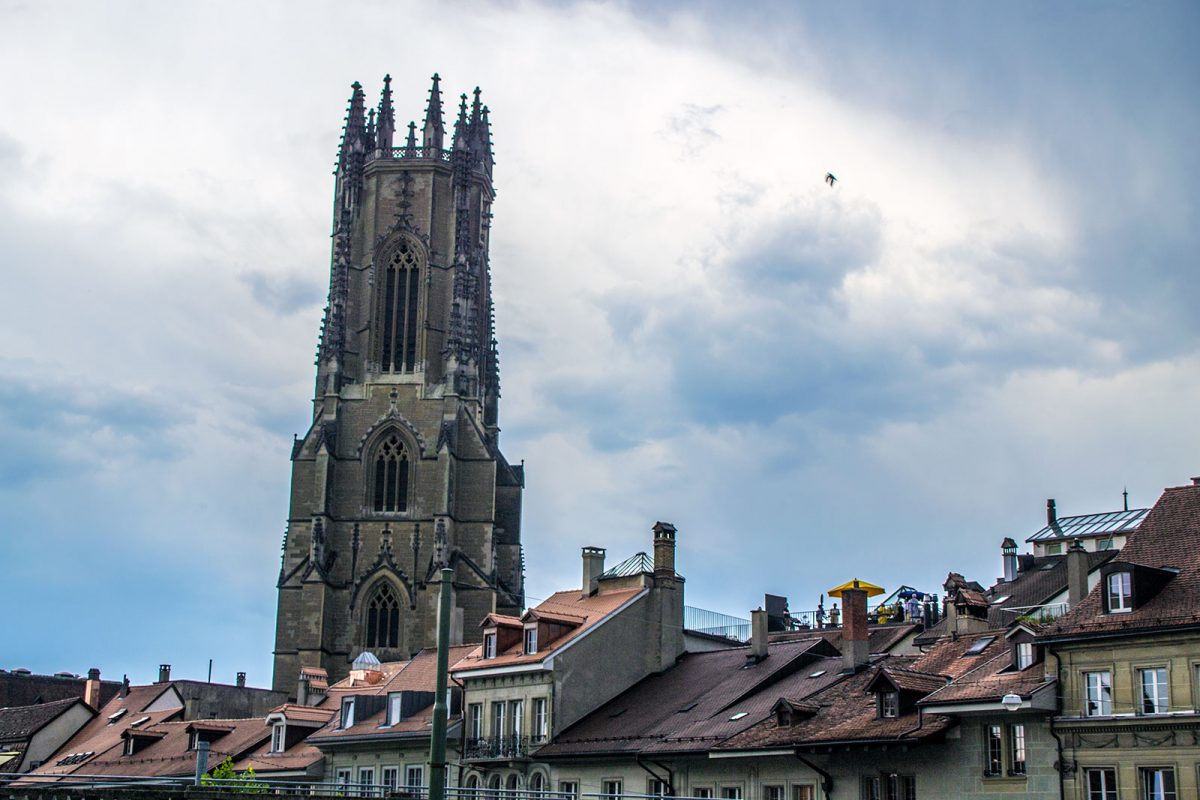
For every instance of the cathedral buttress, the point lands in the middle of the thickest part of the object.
(401, 471)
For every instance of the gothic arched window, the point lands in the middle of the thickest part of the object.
(390, 492)
(383, 618)
(399, 296)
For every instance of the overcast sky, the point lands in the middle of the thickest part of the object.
(995, 304)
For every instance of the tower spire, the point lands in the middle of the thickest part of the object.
(461, 126)
(410, 144)
(387, 117)
(434, 132)
(356, 126)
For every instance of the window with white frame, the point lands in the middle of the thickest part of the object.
(889, 704)
(702, 792)
(657, 788)
(541, 730)
(394, 708)
(278, 737)
(888, 786)
(414, 776)
(1101, 783)
(531, 640)
(390, 778)
(537, 785)
(489, 645)
(342, 777)
(516, 713)
(475, 721)
(731, 793)
(1155, 694)
(1158, 783)
(993, 750)
(1016, 749)
(347, 712)
(804, 791)
(498, 715)
(1120, 593)
(773, 793)
(569, 790)
(1024, 655)
(366, 779)
(611, 789)
(1097, 693)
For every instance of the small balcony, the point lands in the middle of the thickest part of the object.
(501, 747)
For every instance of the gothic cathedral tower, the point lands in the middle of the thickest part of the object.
(401, 472)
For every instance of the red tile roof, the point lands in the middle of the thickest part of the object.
(1169, 536)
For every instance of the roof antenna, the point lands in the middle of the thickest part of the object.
(1125, 494)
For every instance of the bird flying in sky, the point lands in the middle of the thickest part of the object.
(830, 178)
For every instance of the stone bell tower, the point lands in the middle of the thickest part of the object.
(401, 472)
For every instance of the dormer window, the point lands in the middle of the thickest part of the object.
(489, 645)
(194, 740)
(348, 712)
(1120, 593)
(1025, 655)
(395, 708)
(889, 705)
(531, 643)
(278, 738)
(129, 746)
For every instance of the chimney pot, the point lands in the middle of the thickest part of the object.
(1196, 481)
(1051, 512)
(664, 549)
(164, 673)
(241, 679)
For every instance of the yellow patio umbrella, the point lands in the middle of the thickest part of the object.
(870, 588)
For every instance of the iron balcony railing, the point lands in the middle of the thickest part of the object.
(433, 153)
(501, 747)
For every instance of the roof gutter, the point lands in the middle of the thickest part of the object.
(1077, 637)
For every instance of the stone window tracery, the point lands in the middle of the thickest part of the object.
(390, 492)
(399, 304)
(383, 618)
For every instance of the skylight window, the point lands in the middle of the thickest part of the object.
(116, 715)
(979, 646)
(1051, 565)
(688, 707)
(738, 715)
(1000, 600)
(137, 722)
(817, 674)
(617, 713)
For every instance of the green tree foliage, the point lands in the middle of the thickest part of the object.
(224, 776)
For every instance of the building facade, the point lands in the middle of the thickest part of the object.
(400, 472)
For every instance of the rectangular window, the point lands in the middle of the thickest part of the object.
(498, 709)
(531, 640)
(908, 787)
(1158, 783)
(1120, 593)
(889, 705)
(568, 790)
(1155, 694)
(1054, 549)
(475, 721)
(343, 777)
(773, 793)
(1016, 749)
(1097, 694)
(489, 645)
(348, 712)
(731, 793)
(393, 714)
(993, 750)
(517, 714)
(610, 789)
(414, 776)
(366, 780)
(540, 728)
(390, 778)
(1024, 655)
(805, 792)
(657, 788)
(872, 788)
(277, 738)
(1101, 783)
(702, 792)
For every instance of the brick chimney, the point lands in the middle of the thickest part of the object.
(91, 689)
(664, 549)
(164, 673)
(1077, 574)
(593, 566)
(855, 651)
(758, 635)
